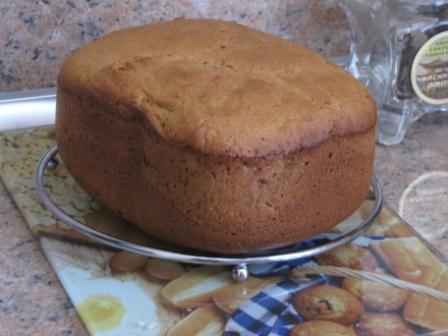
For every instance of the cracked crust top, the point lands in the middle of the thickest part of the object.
(221, 88)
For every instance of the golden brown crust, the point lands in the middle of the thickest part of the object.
(216, 85)
(376, 296)
(350, 256)
(320, 328)
(328, 303)
(376, 324)
(217, 168)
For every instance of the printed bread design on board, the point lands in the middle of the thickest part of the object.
(230, 297)
(205, 300)
(206, 320)
(208, 298)
(349, 256)
(404, 258)
(382, 324)
(196, 287)
(215, 136)
(319, 328)
(409, 259)
(164, 269)
(213, 295)
(387, 224)
(376, 296)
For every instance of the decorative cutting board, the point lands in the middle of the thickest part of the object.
(387, 282)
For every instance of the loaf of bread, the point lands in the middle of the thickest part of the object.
(215, 136)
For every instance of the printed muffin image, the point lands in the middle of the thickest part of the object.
(320, 328)
(354, 257)
(328, 303)
(376, 296)
(383, 325)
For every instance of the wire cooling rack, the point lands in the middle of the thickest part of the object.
(240, 263)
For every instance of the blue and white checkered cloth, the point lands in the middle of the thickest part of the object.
(269, 312)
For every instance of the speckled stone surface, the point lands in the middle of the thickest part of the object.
(31, 299)
(36, 37)
(415, 178)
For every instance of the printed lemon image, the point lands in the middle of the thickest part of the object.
(101, 312)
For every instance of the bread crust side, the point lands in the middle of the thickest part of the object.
(210, 202)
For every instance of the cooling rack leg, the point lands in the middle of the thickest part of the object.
(52, 164)
(240, 272)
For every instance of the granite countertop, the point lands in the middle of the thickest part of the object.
(37, 36)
